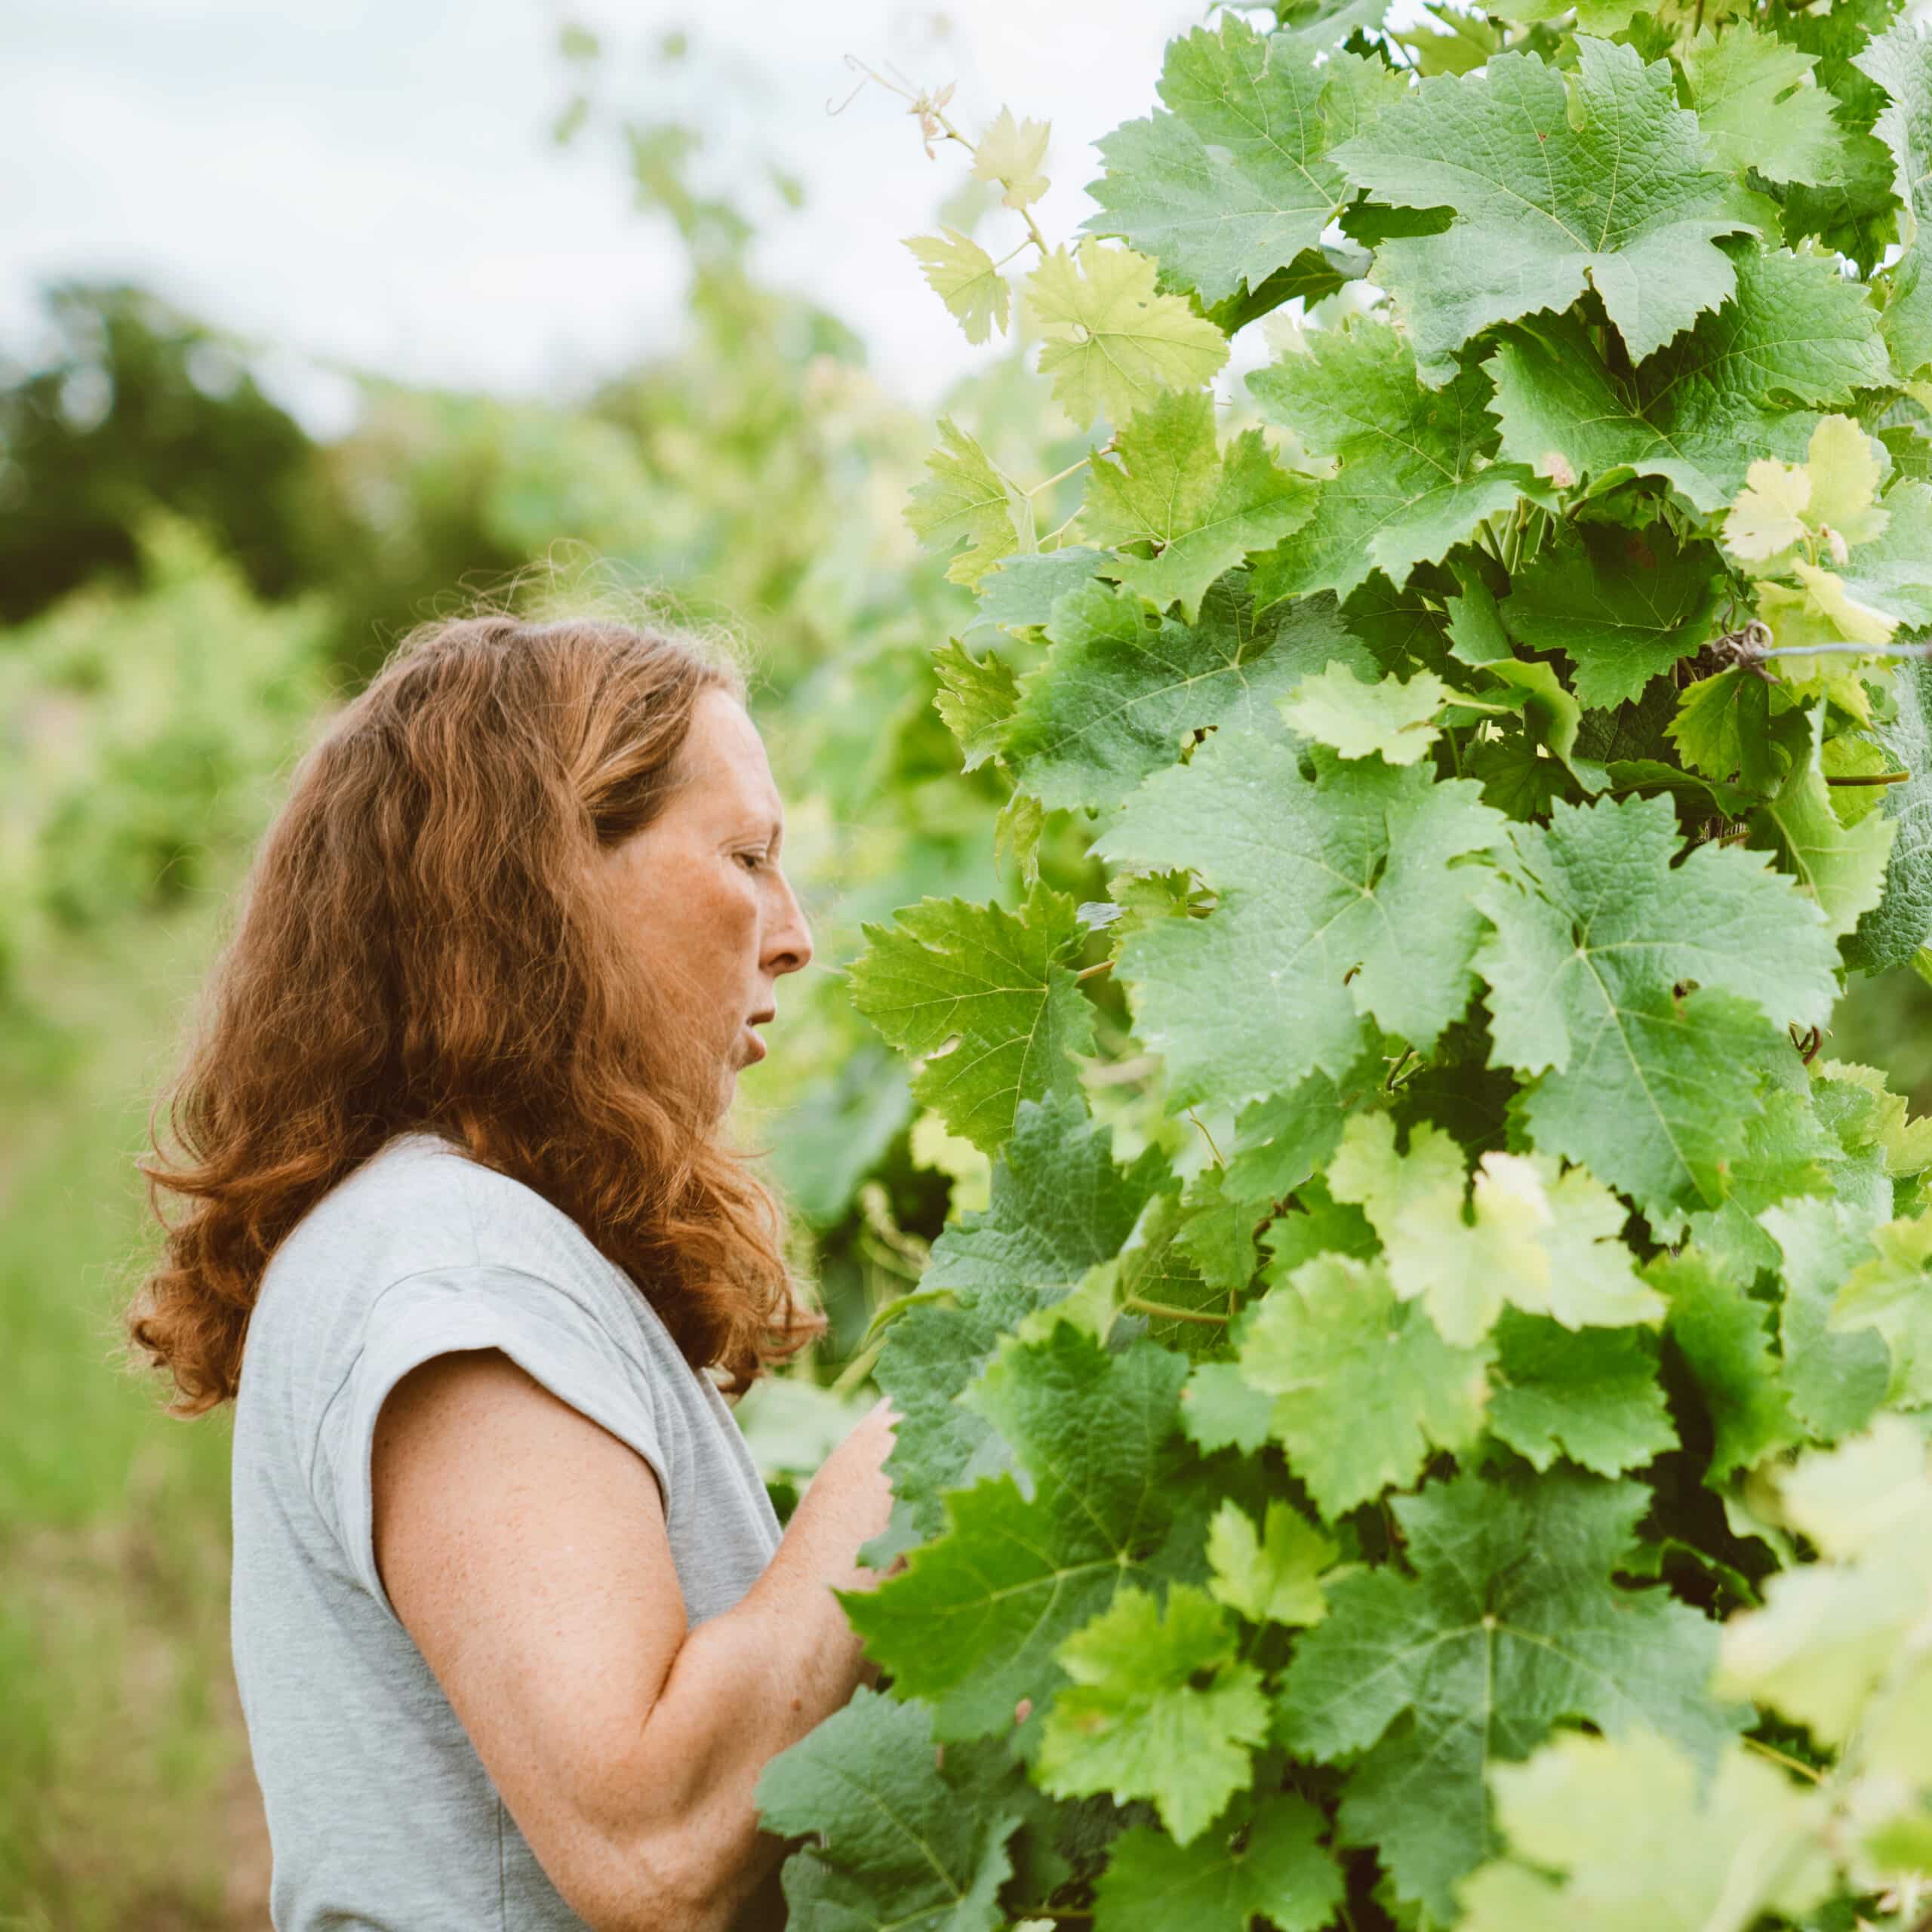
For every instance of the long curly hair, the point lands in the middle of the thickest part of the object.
(422, 944)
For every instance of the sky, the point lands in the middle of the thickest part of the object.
(373, 185)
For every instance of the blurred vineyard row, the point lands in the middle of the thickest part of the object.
(189, 583)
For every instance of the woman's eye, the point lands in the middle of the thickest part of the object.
(756, 858)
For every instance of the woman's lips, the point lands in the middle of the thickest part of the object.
(758, 1044)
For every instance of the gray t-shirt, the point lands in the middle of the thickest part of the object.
(380, 1812)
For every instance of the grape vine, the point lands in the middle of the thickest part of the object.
(1429, 1429)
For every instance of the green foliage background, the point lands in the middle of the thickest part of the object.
(188, 582)
(1429, 1429)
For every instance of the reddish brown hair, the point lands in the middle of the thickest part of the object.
(421, 945)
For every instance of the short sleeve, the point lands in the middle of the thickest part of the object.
(547, 1333)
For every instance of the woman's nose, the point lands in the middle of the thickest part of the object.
(789, 946)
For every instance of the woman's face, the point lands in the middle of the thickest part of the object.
(712, 914)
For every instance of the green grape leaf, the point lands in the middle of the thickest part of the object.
(1841, 867)
(976, 698)
(1159, 1708)
(1019, 594)
(1220, 1409)
(1600, 184)
(1278, 1871)
(1112, 345)
(1271, 1575)
(1058, 1204)
(1724, 728)
(897, 1846)
(1217, 1233)
(1509, 1623)
(961, 274)
(1233, 184)
(1892, 1292)
(1721, 1333)
(1623, 606)
(1166, 484)
(1327, 23)
(972, 1622)
(966, 497)
(1415, 478)
(1592, 1396)
(931, 1353)
(1701, 412)
(1364, 1384)
(1892, 571)
(1901, 64)
(1834, 1379)
(1342, 868)
(1159, 1269)
(1866, 1118)
(1390, 718)
(1123, 688)
(946, 969)
(1596, 928)
(1893, 929)
(1755, 110)
(1788, 1149)
(1316, 1224)
(1715, 1851)
(1280, 1141)
(1907, 320)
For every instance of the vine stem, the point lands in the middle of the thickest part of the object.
(1168, 1313)
(1872, 778)
(856, 1370)
(1072, 466)
(1088, 972)
(1846, 651)
(1777, 1757)
(1207, 1137)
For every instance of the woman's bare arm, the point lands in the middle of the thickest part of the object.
(524, 1549)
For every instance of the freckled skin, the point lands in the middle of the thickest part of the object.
(714, 917)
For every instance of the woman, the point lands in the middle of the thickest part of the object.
(514, 1623)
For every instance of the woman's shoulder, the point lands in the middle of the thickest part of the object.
(419, 1206)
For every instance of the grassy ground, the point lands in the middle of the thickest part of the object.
(126, 1800)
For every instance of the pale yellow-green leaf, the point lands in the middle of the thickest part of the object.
(1462, 1272)
(1892, 1292)
(1271, 1576)
(1592, 1282)
(1112, 344)
(1641, 1838)
(1014, 153)
(961, 274)
(1906, 1142)
(1854, 622)
(1843, 464)
(1861, 1495)
(966, 496)
(1547, 1239)
(1799, 617)
(1838, 1643)
(1767, 519)
(1335, 707)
